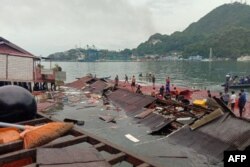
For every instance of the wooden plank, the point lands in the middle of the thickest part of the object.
(144, 165)
(14, 146)
(134, 160)
(110, 149)
(93, 141)
(69, 142)
(114, 159)
(35, 121)
(17, 155)
(100, 146)
(31, 165)
(207, 118)
(75, 132)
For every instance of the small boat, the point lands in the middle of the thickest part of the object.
(234, 81)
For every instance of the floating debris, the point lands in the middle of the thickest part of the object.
(132, 138)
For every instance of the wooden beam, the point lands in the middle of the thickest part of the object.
(93, 141)
(35, 121)
(114, 159)
(75, 132)
(9, 147)
(31, 165)
(100, 146)
(144, 165)
(69, 142)
(6, 158)
(133, 160)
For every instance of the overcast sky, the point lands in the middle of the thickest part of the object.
(47, 26)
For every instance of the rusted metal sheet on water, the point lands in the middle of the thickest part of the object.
(97, 87)
(80, 83)
(130, 101)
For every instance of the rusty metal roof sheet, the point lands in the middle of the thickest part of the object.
(134, 105)
(129, 101)
(80, 83)
(6, 47)
(224, 133)
(97, 87)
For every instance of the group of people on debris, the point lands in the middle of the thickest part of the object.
(163, 91)
(233, 101)
(133, 83)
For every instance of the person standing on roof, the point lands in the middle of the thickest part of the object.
(116, 80)
(233, 100)
(162, 91)
(244, 97)
(176, 93)
(209, 93)
(241, 103)
(138, 90)
(153, 93)
(133, 83)
(126, 79)
(226, 98)
(168, 85)
(153, 80)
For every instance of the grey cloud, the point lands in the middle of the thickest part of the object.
(47, 26)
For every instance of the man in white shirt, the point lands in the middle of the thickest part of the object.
(233, 100)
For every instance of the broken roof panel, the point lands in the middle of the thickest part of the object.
(224, 133)
(80, 83)
(125, 99)
(97, 87)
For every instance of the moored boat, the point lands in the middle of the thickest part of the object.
(234, 81)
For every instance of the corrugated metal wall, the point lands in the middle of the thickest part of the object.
(20, 68)
(16, 68)
(2, 67)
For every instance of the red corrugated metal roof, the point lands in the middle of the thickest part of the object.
(97, 86)
(80, 83)
(130, 101)
(9, 48)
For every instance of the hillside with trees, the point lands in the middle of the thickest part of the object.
(226, 29)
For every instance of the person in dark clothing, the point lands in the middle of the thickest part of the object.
(116, 80)
(162, 90)
(126, 79)
(226, 86)
(168, 85)
(153, 80)
(209, 93)
(221, 97)
(241, 103)
(138, 90)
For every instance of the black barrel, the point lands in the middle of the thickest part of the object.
(16, 104)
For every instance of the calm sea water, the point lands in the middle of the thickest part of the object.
(209, 75)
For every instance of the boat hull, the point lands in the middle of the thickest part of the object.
(239, 86)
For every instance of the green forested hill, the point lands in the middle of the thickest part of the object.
(226, 29)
